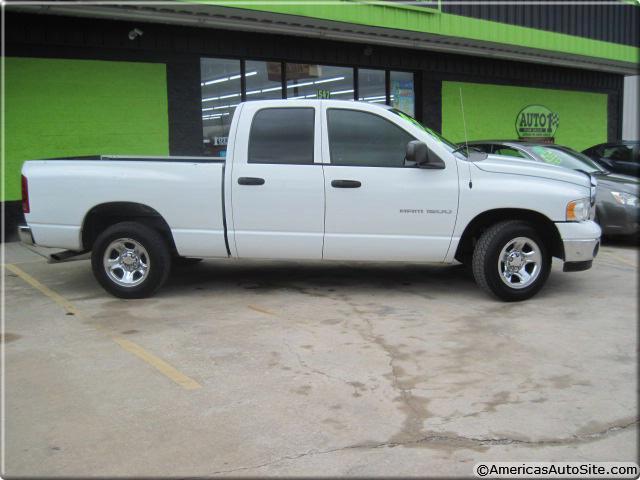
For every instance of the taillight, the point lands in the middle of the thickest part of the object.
(25, 195)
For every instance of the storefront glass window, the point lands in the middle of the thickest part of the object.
(402, 92)
(371, 86)
(220, 86)
(319, 81)
(264, 80)
(222, 90)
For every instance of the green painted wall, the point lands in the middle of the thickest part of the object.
(60, 108)
(418, 19)
(491, 111)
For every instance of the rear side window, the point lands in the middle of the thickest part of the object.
(621, 153)
(366, 140)
(282, 135)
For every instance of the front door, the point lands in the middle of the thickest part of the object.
(277, 184)
(376, 207)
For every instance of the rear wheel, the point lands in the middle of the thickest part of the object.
(511, 261)
(130, 260)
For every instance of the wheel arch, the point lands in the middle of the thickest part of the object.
(102, 216)
(543, 224)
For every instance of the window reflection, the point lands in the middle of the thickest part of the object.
(221, 88)
(402, 92)
(319, 81)
(371, 86)
(264, 80)
(220, 84)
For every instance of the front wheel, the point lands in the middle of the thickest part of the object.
(511, 261)
(130, 260)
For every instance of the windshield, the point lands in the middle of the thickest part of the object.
(435, 135)
(566, 158)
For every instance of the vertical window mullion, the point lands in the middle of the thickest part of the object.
(355, 84)
(243, 82)
(283, 76)
(387, 86)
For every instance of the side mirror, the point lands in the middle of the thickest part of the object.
(419, 155)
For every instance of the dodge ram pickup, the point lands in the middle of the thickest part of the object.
(315, 179)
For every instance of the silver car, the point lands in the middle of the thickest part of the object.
(617, 207)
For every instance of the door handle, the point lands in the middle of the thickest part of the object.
(345, 184)
(250, 181)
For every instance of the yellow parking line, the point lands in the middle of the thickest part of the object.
(261, 310)
(56, 297)
(159, 364)
(131, 347)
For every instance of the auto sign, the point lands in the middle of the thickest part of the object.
(537, 121)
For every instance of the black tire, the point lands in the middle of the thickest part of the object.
(487, 270)
(159, 259)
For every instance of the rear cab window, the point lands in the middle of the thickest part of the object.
(282, 136)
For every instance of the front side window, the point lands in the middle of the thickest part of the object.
(365, 139)
(282, 135)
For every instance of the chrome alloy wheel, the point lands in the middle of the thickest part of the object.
(520, 262)
(126, 262)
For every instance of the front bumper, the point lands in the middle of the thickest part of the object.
(581, 242)
(25, 235)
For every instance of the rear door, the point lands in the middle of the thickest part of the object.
(376, 207)
(277, 183)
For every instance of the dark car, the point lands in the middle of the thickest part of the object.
(620, 157)
(617, 207)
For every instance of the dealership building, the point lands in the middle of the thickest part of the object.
(163, 78)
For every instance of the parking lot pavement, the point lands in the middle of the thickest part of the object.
(265, 368)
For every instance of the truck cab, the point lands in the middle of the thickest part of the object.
(323, 180)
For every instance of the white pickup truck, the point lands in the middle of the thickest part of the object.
(315, 179)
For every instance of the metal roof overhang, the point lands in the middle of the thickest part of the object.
(211, 16)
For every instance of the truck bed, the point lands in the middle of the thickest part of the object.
(64, 190)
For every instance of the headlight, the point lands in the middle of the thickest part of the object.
(624, 198)
(578, 210)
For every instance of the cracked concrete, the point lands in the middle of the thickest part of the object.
(320, 369)
(454, 441)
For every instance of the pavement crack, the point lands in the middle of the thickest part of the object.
(282, 459)
(303, 364)
(451, 440)
(414, 407)
(462, 441)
